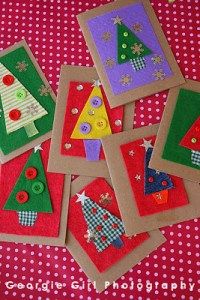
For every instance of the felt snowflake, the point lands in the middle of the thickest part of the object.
(131, 153)
(32, 109)
(110, 62)
(105, 199)
(159, 74)
(138, 177)
(90, 235)
(157, 59)
(126, 79)
(106, 36)
(137, 27)
(117, 20)
(44, 90)
(137, 49)
(21, 66)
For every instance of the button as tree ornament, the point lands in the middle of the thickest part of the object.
(22, 197)
(15, 114)
(8, 80)
(31, 173)
(96, 102)
(20, 94)
(37, 187)
(100, 123)
(85, 128)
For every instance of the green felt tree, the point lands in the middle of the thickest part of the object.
(30, 194)
(131, 48)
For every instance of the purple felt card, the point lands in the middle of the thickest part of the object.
(124, 76)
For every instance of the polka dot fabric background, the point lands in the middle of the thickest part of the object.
(52, 32)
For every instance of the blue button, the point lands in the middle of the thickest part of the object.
(85, 128)
(96, 102)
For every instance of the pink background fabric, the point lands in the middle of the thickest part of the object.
(51, 30)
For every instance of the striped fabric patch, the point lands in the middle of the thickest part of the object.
(10, 102)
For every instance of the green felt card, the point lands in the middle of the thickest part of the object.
(32, 81)
(187, 110)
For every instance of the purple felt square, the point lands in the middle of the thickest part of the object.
(104, 33)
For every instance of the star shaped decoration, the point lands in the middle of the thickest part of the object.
(138, 177)
(157, 59)
(106, 36)
(157, 172)
(82, 197)
(110, 62)
(146, 144)
(91, 235)
(137, 49)
(137, 27)
(131, 153)
(38, 148)
(159, 74)
(126, 79)
(117, 20)
(96, 83)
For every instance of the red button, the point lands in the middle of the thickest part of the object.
(15, 114)
(94, 210)
(22, 197)
(99, 228)
(164, 183)
(103, 238)
(31, 173)
(114, 225)
(8, 80)
(150, 179)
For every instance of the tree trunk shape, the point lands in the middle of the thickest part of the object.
(92, 149)
(31, 130)
(27, 218)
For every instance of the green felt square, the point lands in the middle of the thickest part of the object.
(186, 112)
(32, 82)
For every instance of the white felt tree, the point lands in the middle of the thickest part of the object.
(20, 108)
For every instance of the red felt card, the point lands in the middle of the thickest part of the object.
(47, 224)
(134, 158)
(75, 103)
(78, 227)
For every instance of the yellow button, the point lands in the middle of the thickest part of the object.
(100, 123)
(193, 140)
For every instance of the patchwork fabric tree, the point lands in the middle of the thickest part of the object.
(130, 47)
(156, 183)
(20, 108)
(30, 194)
(191, 141)
(104, 229)
(92, 124)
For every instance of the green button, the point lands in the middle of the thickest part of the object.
(124, 46)
(21, 94)
(37, 187)
(123, 56)
(125, 34)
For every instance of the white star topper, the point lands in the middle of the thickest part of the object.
(146, 144)
(96, 83)
(37, 148)
(82, 198)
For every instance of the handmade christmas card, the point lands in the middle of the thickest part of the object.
(83, 116)
(177, 148)
(26, 102)
(129, 49)
(148, 198)
(31, 198)
(96, 236)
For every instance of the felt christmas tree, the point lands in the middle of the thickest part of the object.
(92, 124)
(30, 194)
(104, 229)
(191, 141)
(156, 183)
(20, 108)
(130, 47)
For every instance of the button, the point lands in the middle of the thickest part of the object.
(100, 124)
(31, 173)
(8, 80)
(79, 87)
(85, 128)
(150, 179)
(22, 197)
(67, 146)
(15, 114)
(118, 122)
(96, 102)
(123, 56)
(21, 94)
(74, 111)
(125, 34)
(164, 183)
(193, 140)
(124, 46)
(37, 187)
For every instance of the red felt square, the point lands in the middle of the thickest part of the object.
(47, 224)
(134, 158)
(76, 100)
(78, 227)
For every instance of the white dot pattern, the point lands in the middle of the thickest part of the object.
(51, 30)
